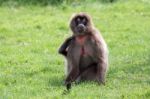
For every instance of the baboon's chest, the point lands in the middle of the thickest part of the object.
(84, 43)
(85, 46)
(81, 41)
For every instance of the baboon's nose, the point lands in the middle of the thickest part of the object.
(81, 27)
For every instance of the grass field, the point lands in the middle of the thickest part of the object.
(31, 68)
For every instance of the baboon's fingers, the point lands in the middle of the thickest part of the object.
(68, 86)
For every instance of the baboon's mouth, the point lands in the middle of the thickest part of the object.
(80, 31)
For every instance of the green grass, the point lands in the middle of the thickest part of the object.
(31, 68)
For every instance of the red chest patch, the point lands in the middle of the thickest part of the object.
(80, 40)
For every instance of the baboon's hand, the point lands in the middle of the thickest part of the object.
(68, 85)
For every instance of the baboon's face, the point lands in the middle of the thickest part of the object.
(80, 24)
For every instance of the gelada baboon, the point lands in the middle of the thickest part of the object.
(86, 52)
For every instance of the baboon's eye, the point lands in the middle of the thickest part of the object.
(84, 21)
(78, 19)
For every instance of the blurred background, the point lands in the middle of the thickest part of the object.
(49, 2)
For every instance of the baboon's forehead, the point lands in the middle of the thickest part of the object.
(81, 16)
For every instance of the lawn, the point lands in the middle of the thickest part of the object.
(31, 68)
